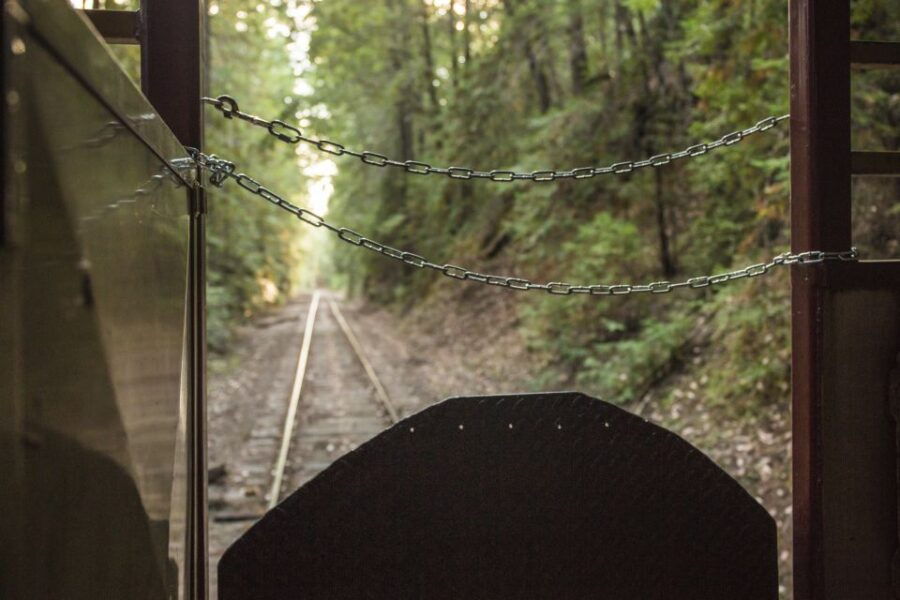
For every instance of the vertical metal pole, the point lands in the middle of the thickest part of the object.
(173, 56)
(820, 219)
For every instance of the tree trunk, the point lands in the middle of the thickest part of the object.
(577, 47)
(541, 83)
(398, 51)
(540, 79)
(429, 59)
(665, 254)
(454, 53)
(467, 34)
(601, 32)
(617, 30)
(624, 28)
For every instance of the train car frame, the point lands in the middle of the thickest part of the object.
(102, 327)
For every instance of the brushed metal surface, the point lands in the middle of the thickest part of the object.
(95, 272)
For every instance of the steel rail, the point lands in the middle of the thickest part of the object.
(381, 393)
(291, 417)
(380, 390)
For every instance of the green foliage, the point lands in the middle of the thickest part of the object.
(253, 250)
(751, 331)
(525, 85)
(628, 369)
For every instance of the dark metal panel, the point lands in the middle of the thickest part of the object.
(875, 163)
(98, 280)
(535, 496)
(116, 26)
(859, 492)
(865, 275)
(875, 54)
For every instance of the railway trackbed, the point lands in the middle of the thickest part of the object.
(306, 394)
(343, 405)
(336, 402)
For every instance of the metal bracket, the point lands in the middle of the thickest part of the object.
(189, 171)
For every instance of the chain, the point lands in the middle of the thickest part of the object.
(290, 134)
(221, 170)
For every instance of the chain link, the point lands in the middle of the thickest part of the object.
(222, 170)
(290, 134)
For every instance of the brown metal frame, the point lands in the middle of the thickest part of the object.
(173, 58)
(880, 55)
(822, 163)
(875, 163)
(875, 54)
(820, 219)
(172, 36)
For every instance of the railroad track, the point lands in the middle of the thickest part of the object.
(336, 402)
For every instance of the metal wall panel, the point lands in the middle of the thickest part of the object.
(859, 486)
(95, 283)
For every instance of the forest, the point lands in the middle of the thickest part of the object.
(525, 85)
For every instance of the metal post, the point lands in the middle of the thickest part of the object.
(820, 220)
(846, 332)
(173, 40)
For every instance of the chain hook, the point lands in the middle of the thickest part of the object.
(227, 105)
